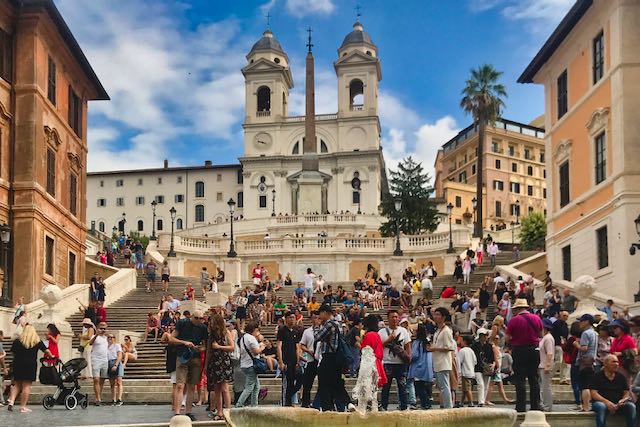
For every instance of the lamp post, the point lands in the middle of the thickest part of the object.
(359, 200)
(124, 223)
(172, 211)
(513, 227)
(397, 203)
(273, 202)
(153, 209)
(632, 251)
(517, 212)
(474, 203)
(450, 250)
(5, 238)
(232, 250)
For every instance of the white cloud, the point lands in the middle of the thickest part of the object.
(267, 6)
(431, 136)
(300, 8)
(540, 16)
(165, 79)
(142, 150)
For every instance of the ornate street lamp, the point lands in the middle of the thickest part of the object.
(153, 209)
(232, 250)
(397, 204)
(5, 239)
(273, 202)
(450, 250)
(474, 203)
(517, 212)
(513, 227)
(124, 223)
(172, 211)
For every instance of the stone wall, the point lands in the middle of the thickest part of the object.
(192, 268)
(92, 266)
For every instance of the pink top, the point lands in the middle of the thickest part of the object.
(524, 329)
(625, 342)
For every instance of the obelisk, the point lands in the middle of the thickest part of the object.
(310, 180)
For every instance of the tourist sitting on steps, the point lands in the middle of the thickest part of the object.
(611, 395)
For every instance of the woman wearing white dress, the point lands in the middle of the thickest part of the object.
(319, 284)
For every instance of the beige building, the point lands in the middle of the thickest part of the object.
(589, 69)
(123, 199)
(514, 173)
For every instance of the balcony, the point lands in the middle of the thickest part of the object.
(319, 117)
(266, 113)
(357, 107)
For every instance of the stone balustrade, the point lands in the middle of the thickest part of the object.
(310, 218)
(316, 244)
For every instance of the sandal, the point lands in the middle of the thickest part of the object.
(25, 410)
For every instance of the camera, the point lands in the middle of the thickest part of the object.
(632, 250)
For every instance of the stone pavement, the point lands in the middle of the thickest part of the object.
(127, 415)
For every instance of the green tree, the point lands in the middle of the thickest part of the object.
(483, 99)
(533, 231)
(411, 185)
(142, 238)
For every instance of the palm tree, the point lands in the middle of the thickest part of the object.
(483, 100)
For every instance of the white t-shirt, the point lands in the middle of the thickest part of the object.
(405, 337)
(467, 359)
(308, 341)
(309, 279)
(99, 349)
(426, 284)
(443, 338)
(250, 342)
(112, 351)
(173, 304)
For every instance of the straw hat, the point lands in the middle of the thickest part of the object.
(87, 321)
(520, 303)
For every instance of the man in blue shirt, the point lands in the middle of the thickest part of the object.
(587, 351)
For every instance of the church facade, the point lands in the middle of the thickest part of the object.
(350, 175)
(347, 143)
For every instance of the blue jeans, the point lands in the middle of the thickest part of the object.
(442, 381)
(251, 388)
(399, 372)
(353, 369)
(575, 384)
(628, 410)
(411, 392)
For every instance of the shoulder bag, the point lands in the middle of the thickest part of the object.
(259, 365)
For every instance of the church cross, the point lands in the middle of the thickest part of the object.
(268, 16)
(358, 11)
(309, 44)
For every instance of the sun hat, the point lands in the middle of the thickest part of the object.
(520, 303)
(87, 321)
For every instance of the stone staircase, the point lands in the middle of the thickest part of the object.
(146, 380)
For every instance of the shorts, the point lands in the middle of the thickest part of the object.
(467, 384)
(173, 377)
(584, 378)
(151, 277)
(188, 373)
(257, 280)
(119, 370)
(165, 277)
(99, 369)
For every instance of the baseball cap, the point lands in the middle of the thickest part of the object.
(547, 323)
(483, 331)
(586, 316)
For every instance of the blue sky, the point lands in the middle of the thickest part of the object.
(172, 68)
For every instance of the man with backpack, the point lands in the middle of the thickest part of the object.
(330, 383)
(397, 355)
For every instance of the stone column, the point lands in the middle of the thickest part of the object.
(233, 271)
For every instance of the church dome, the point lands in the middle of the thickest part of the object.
(357, 36)
(267, 42)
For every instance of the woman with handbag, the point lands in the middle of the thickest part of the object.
(88, 331)
(421, 367)
(493, 369)
(218, 365)
(250, 364)
(24, 365)
(116, 370)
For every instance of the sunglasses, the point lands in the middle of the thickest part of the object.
(197, 318)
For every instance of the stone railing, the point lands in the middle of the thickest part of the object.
(312, 218)
(315, 244)
(319, 117)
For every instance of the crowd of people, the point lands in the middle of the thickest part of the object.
(216, 358)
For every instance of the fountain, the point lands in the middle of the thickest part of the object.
(365, 393)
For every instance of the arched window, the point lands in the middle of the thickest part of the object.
(101, 226)
(296, 148)
(199, 189)
(356, 94)
(323, 147)
(199, 213)
(140, 225)
(264, 99)
(159, 225)
(179, 224)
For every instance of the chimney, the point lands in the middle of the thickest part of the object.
(208, 163)
(166, 163)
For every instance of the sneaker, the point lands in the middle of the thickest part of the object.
(119, 403)
(191, 417)
(412, 407)
(351, 407)
(97, 403)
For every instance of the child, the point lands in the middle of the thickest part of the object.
(189, 292)
(468, 361)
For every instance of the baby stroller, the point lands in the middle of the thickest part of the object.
(65, 376)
